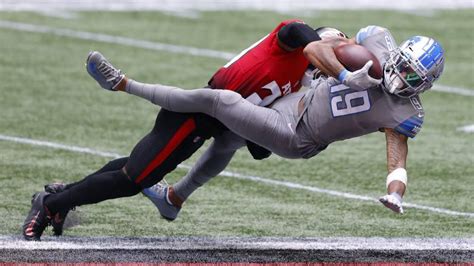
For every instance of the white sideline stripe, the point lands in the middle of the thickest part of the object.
(467, 129)
(220, 243)
(235, 175)
(98, 37)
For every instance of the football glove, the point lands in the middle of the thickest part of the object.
(359, 79)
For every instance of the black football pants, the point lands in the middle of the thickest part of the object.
(173, 139)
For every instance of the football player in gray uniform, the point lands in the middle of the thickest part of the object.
(272, 67)
(303, 124)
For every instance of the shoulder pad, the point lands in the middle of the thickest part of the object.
(367, 32)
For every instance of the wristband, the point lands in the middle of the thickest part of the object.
(399, 174)
(342, 75)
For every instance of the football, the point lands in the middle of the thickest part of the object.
(354, 57)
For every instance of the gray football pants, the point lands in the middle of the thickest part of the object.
(267, 127)
(212, 162)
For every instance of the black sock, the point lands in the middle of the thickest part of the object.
(93, 189)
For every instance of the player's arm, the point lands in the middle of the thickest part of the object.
(319, 52)
(321, 55)
(397, 151)
(296, 35)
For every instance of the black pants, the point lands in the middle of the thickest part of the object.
(173, 139)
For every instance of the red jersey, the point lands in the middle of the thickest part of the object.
(264, 71)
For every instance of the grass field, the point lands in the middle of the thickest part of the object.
(46, 94)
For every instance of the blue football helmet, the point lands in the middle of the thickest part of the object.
(414, 66)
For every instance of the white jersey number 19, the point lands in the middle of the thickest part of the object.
(346, 101)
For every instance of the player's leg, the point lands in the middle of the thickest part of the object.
(93, 189)
(188, 135)
(110, 184)
(168, 199)
(174, 138)
(57, 222)
(264, 126)
(163, 136)
(210, 164)
(106, 183)
(115, 164)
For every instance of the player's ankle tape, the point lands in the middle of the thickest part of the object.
(399, 174)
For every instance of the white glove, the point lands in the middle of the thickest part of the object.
(393, 202)
(359, 79)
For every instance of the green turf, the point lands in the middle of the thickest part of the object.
(47, 95)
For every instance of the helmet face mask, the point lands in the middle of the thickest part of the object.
(413, 67)
(402, 77)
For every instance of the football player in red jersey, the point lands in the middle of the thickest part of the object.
(269, 69)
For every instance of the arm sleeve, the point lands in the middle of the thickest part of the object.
(410, 127)
(297, 34)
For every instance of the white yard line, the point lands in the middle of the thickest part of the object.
(59, 146)
(98, 37)
(467, 129)
(453, 90)
(234, 175)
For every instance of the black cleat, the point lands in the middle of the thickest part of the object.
(38, 218)
(57, 221)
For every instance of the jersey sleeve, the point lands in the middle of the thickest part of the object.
(410, 127)
(368, 31)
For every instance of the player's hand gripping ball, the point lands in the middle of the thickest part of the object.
(353, 57)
